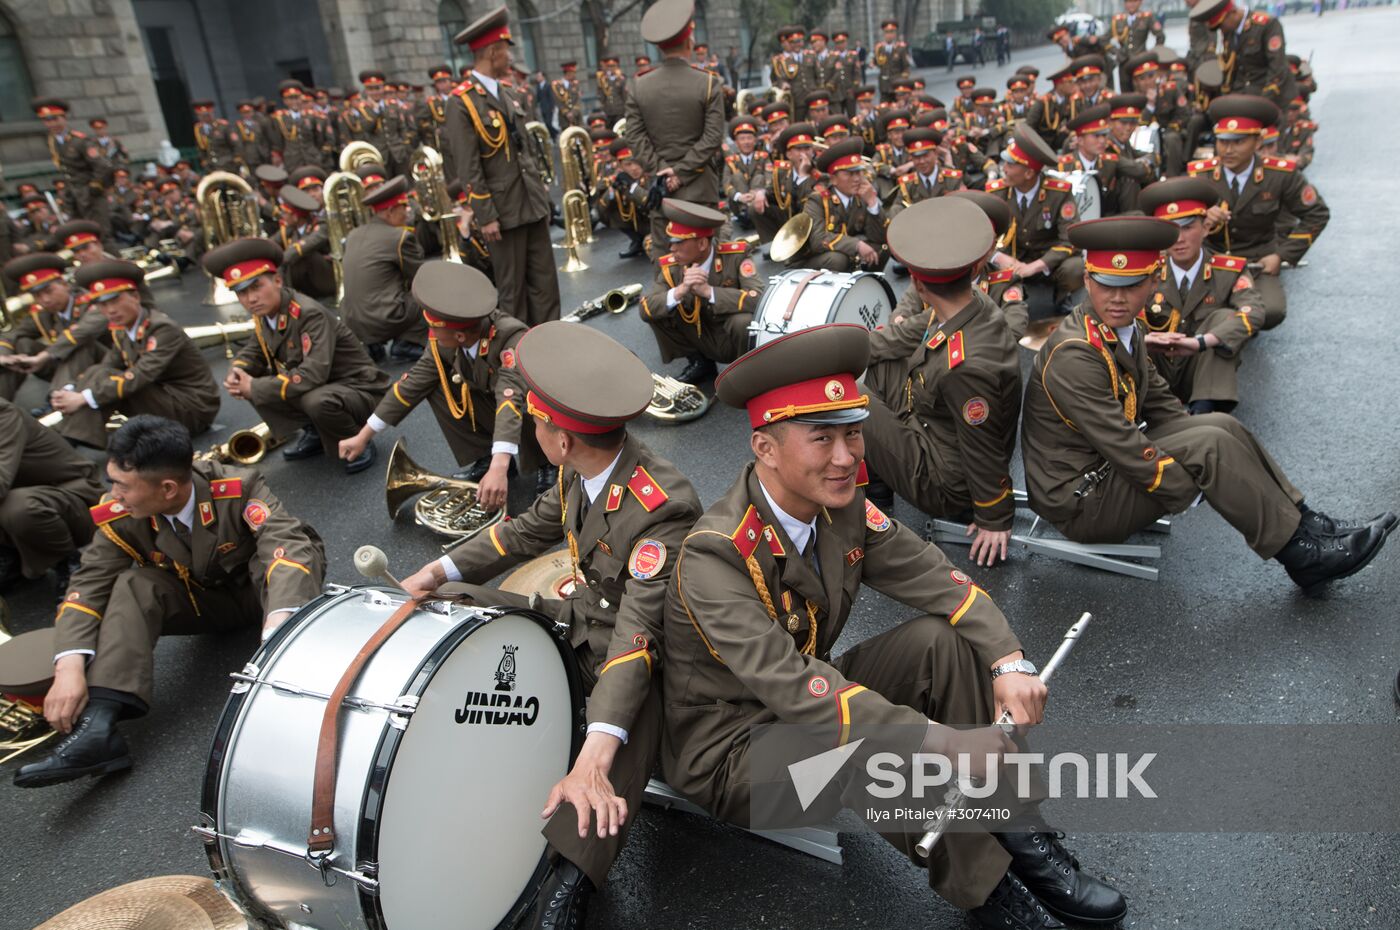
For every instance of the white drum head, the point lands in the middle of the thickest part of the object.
(459, 836)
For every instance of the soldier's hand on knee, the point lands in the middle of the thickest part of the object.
(68, 694)
(1270, 264)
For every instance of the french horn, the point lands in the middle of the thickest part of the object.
(674, 401)
(448, 506)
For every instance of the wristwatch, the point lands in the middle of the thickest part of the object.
(1201, 341)
(1024, 666)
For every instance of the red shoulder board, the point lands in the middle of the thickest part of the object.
(956, 351)
(1002, 276)
(907, 179)
(108, 511)
(952, 173)
(1205, 164)
(294, 309)
(862, 474)
(1055, 184)
(1227, 262)
(1091, 332)
(748, 533)
(732, 248)
(779, 163)
(1110, 156)
(644, 486)
(996, 185)
(223, 489)
(760, 154)
(732, 160)
(1280, 164)
(667, 259)
(1066, 161)
(1261, 18)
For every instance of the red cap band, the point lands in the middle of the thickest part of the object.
(1179, 209)
(1125, 112)
(1098, 125)
(921, 145)
(1145, 67)
(1238, 125)
(371, 81)
(1088, 70)
(309, 181)
(681, 231)
(538, 408)
(777, 115)
(1215, 21)
(45, 112)
(1021, 157)
(437, 322)
(897, 123)
(623, 152)
(1123, 264)
(679, 38)
(37, 279)
(489, 38)
(800, 138)
(818, 395)
(243, 271)
(391, 202)
(928, 278)
(77, 239)
(111, 286)
(854, 160)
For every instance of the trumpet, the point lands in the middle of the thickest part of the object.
(674, 401)
(245, 447)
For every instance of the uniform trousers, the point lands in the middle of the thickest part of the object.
(527, 278)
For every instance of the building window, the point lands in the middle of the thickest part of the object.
(590, 44)
(452, 18)
(702, 25)
(527, 37)
(16, 89)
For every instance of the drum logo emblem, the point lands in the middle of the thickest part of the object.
(505, 671)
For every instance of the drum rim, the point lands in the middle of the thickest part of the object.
(372, 801)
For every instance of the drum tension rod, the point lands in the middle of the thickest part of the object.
(405, 705)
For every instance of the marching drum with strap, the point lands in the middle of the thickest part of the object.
(802, 298)
(444, 750)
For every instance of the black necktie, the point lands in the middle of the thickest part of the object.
(1185, 285)
(810, 554)
(1237, 185)
(182, 532)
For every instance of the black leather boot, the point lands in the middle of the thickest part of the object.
(634, 248)
(698, 370)
(93, 748)
(1312, 560)
(1011, 906)
(546, 480)
(406, 351)
(879, 493)
(1053, 875)
(9, 567)
(308, 444)
(476, 470)
(363, 461)
(563, 900)
(1320, 524)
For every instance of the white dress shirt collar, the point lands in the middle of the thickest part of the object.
(594, 486)
(491, 84)
(796, 530)
(186, 514)
(1177, 272)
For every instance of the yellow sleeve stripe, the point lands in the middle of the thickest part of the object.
(994, 501)
(843, 712)
(639, 653)
(1062, 248)
(68, 334)
(70, 605)
(121, 384)
(510, 404)
(400, 396)
(287, 562)
(285, 381)
(972, 592)
(475, 196)
(1301, 235)
(1161, 466)
(496, 540)
(1244, 318)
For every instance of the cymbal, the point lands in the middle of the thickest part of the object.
(1038, 332)
(790, 239)
(550, 575)
(26, 663)
(167, 902)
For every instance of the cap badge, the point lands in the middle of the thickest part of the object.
(1173, 207)
(1233, 124)
(235, 273)
(99, 286)
(1120, 261)
(834, 390)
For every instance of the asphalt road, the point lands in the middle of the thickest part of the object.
(1221, 638)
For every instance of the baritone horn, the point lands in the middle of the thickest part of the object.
(578, 225)
(344, 194)
(357, 155)
(544, 150)
(674, 401)
(448, 505)
(227, 211)
(430, 187)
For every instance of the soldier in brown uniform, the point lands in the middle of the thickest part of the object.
(761, 592)
(46, 487)
(296, 139)
(1131, 30)
(213, 136)
(704, 295)
(431, 116)
(745, 171)
(58, 339)
(1205, 308)
(182, 547)
(469, 377)
(305, 245)
(251, 145)
(891, 57)
(1254, 55)
(1044, 208)
(675, 115)
(623, 198)
(1108, 448)
(1253, 191)
(568, 96)
(86, 171)
(152, 367)
(848, 219)
(381, 258)
(1075, 45)
(786, 70)
(623, 512)
(303, 369)
(496, 166)
(612, 88)
(929, 179)
(1111, 184)
(1051, 111)
(791, 182)
(368, 119)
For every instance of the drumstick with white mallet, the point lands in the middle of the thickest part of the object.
(954, 799)
(371, 562)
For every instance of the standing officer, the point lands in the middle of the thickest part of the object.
(381, 258)
(1109, 449)
(675, 114)
(946, 446)
(251, 145)
(704, 295)
(623, 512)
(568, 98)
(182, 547)
(46, 487)
(369, 120)
(891, 57)
(786, 70)
(762, 590)
(86, 172)
(848, 219)
(1253, 191)
(1254, 56)
(304, 369)
(612, 88)
(1131, 29)
(57, 340)
(496, 165)
(470, 380)
(152, 367)
(296, 141)
(431, 116)
(213, 136)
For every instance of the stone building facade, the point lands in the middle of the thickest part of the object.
(141, 62)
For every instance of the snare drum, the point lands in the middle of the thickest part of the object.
(450, 740)
(802, 298)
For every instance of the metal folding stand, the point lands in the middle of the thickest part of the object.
(1109, 557)
(821, 842)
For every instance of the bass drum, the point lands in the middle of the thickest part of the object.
(803, 298)
(450, 740)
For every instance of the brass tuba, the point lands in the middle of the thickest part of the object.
(344, 194)
(357, 155)
(227, 211)
(674, 401)
(245, 447)
(544, 150)
(430, 186)
(449, 505)
(578, 226)
(576, 155)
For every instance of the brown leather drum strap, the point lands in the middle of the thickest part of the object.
(321, 839)
(797, 294)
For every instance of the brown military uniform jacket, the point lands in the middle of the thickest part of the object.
(1086, 396)
(1049, 114)
(160, 354)
(612, 94)
(431, 119)
(840, 228)
(742, 177)
(914, 187)
(363, 123)
(299, 138)
(379, 265)
(960, 385)
(568, 102)
(477, 400)
(750, 628)
(894, 63)
(76, 339)
(251, 144)
(306, 258)
(495, 162)
(1120, 180)
(215, 144)
(1255, 60)
(83, 165)
(625, 546)
(1273, 186)
(787, 70)
(675, 119)
(786, 199)
(1132, 34)
(1042, 228)
(242, 536)
(718, 327)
